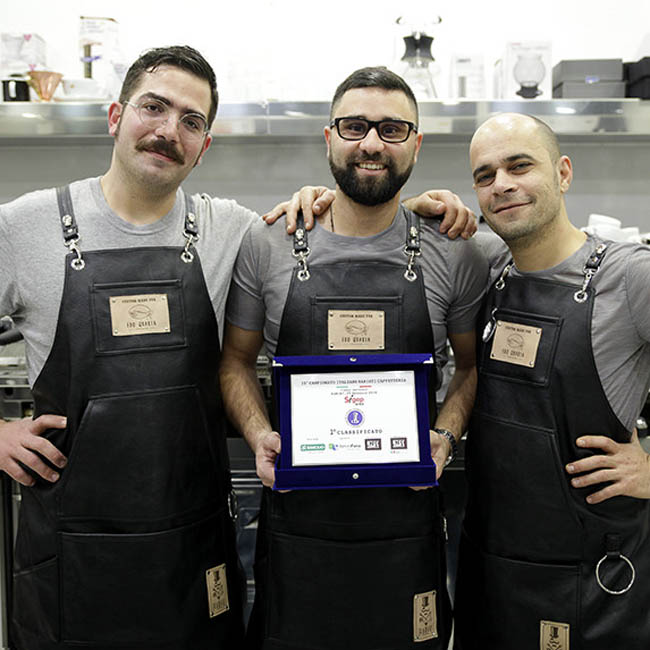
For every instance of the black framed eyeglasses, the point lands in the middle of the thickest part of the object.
(357, 128)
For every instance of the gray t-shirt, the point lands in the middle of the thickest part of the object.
(32, 253)
(620, 329)
(455, 274)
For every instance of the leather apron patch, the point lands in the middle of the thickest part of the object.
(553, 636)
(425, 625)
(217, 590)
(515, 343)
(144, 314)
(355, 330)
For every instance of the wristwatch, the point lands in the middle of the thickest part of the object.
(445, 433)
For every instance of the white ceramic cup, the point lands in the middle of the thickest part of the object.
(604, 220)
(81, 87)
(609, 232)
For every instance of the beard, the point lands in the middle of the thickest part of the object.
(369, 191)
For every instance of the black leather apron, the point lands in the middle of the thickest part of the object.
(529, 567)
(339, 569)
(115, 554)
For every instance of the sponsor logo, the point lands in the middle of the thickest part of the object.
(398, 443)
(357, 401)
(343, 445)
(315, 447)
(372, 444)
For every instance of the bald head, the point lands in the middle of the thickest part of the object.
(519, 177)
(507, 124)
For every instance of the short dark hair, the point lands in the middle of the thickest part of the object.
(377, 77)
(178, 56)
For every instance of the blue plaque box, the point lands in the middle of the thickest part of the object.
(293, 477)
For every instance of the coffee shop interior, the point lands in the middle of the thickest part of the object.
(583, 67)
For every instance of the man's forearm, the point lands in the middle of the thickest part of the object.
(244, 400)
(457, 406)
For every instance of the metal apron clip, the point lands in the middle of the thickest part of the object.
(491, 325)
(69, 226)
(190, 230)
(613, 553)
(412, 248)
(591, 267)
(301, 249)
(233, 506)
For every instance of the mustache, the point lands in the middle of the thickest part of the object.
(376, 157)
(162, 147)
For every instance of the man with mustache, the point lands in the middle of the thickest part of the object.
(125, 536)
(556, 544)
(348, 568)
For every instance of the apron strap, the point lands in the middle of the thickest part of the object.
(69, 226)
(301, 248)
(190, 229)
(412, 247)
(591, 267)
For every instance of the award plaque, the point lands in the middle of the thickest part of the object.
(353, 421)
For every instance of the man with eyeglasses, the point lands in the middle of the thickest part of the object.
(348, 568)
(125, 538)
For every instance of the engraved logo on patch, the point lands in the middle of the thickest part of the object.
(425, 624)
(515, 343)
(553, 635)
(356, 328)
(139, 314)
(217, 590)
(361, 329)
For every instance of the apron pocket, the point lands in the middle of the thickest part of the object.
(520, 501)
(149, 452)
(511, 604)
(139, 589)
(36, 600)
(360, 595)
(138, 316)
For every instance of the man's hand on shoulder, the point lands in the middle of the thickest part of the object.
(312, 200)
(21, 442)
(458, 219)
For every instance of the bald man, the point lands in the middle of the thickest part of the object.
(556, 544)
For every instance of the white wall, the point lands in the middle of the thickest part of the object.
(300, 49)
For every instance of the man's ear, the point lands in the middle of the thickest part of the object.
(114, 114)
(418, 144)
(206, 146)
(565, 171)
(327, 132)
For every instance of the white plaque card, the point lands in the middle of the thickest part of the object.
(345, 418)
